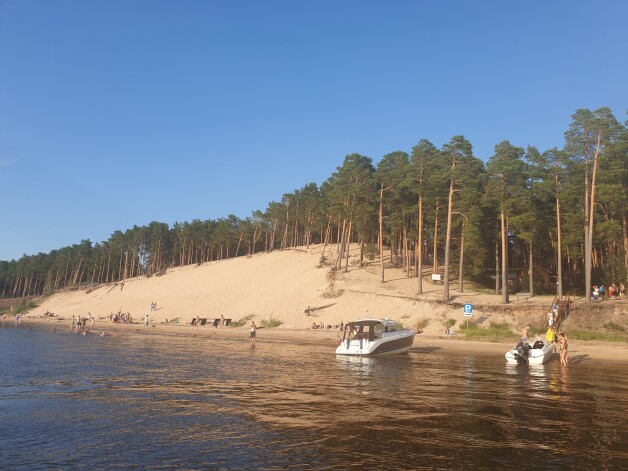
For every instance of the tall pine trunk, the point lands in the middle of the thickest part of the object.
(531, 273)
(419, 260)
(380, 238)
(448, 238)
(559, 266)
(589, 248)
(435, 269)
(504, 225)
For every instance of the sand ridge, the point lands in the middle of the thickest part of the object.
(286, 285)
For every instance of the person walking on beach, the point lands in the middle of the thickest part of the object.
(253, 332)
(563, 349)
(146, 321)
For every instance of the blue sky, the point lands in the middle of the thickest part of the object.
(117, 113)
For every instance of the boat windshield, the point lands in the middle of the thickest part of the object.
(392, 326)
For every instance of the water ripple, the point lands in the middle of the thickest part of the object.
(151, 402)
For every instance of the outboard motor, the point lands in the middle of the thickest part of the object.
(522, 352)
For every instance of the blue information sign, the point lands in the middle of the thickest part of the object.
(468, 310)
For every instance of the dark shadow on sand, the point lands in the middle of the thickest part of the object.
(578, 358)
(424, 349)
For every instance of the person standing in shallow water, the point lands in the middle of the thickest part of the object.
(563, 349)
(253, 332)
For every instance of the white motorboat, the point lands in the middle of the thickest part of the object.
(370, 337)
(526, 354)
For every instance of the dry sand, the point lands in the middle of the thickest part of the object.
(284, 284)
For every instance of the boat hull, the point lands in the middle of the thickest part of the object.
(401, 342)
(537, 356)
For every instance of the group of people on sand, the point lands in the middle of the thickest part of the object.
(615, 292)
(320, 326)
(120, 318)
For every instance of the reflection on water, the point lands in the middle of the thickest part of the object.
(89, 402)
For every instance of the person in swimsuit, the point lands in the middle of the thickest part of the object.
(524, 333)
(253, 330)
(563, 349)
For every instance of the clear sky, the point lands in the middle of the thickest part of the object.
(116, 113)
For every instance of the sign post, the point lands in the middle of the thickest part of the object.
(468, 312)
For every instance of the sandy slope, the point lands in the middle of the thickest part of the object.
(283, 285)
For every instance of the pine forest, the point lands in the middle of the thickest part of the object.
(551, 221)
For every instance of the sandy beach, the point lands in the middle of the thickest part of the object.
(291, 287)
(423, 344)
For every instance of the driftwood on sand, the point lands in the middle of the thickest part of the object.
(310, 310)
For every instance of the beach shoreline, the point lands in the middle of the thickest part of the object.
(295, 291)
(457, 346)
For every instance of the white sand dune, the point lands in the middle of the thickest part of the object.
(283, 285)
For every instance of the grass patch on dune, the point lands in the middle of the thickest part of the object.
(614, 327)
(592, 335)
(422, 323)
(449, 323)
(333, 293)
(25, 307)
(270, 323)
(241, 322)
(494, 332)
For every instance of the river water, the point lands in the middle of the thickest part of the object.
(173, 402)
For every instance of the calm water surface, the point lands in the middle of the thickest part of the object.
(146, 401)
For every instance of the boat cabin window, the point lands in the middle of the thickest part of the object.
(379, 331)
(393, 327)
